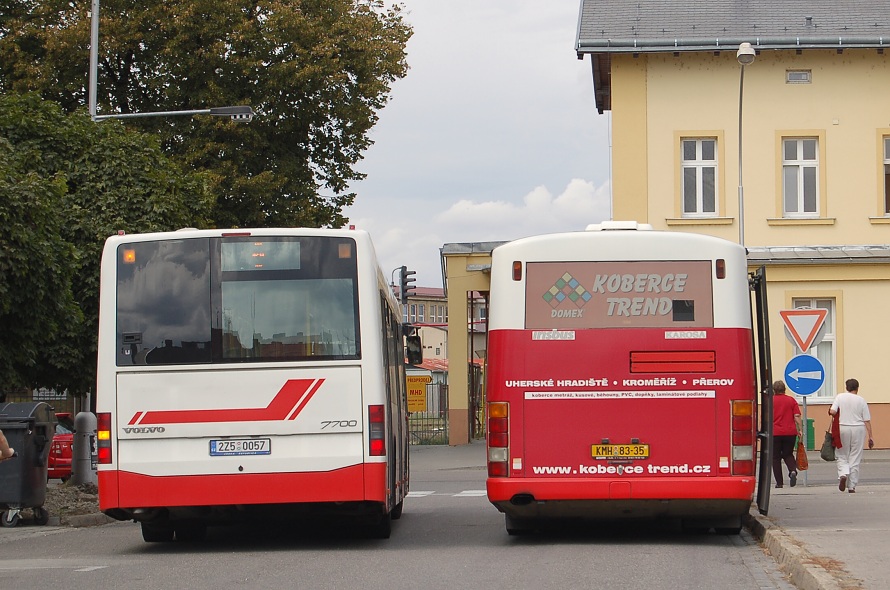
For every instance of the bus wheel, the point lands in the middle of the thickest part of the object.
(192, 532)
(397, 510)
(382, 529)
(517, 527)
(728, 530)
(157, 533)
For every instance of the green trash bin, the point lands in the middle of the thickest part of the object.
(811, 434)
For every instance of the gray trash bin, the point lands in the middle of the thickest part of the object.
(29, 428)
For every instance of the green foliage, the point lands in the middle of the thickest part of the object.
(315, 71)
(67, 183)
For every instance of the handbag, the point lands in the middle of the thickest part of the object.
(827, 450)
(803, 461)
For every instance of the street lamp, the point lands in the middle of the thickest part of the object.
(745, 55)
(241, 114)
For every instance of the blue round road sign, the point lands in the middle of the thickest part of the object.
(804, 374)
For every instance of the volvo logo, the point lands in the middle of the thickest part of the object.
(143, 429)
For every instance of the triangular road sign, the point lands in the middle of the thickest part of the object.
(802, 326)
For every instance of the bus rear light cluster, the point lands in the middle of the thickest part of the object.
(103, 437)
(742, 437)
(498, 439)
(376, 430)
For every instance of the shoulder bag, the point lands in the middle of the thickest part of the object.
(827, 450)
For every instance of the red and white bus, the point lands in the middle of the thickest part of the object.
(620, 378)
(249, 373)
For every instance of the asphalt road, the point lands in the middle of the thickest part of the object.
(449, 537)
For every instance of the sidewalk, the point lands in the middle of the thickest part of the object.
(826, 539)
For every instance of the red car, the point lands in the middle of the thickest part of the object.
(59, 464)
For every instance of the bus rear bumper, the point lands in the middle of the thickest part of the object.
(126, 495)
(690, 498)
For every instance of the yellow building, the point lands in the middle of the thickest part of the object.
(810, 116)
(813, 172)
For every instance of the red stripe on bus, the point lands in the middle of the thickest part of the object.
(281, 406)
(302, 403)
(124, 489)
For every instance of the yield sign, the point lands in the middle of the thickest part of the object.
(804, 326)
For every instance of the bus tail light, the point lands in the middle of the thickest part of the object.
(742, 437)
(376, 431)
(103, 437)
(498, 439)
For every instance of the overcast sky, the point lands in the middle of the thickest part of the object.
(493, 134)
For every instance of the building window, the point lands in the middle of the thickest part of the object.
(800, 177)
(420, 312)
(405, 313)
(412, 313)
(887, 176)
(826, 350)
(699, 171)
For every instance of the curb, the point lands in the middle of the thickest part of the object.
(807, 571)
(81, 520)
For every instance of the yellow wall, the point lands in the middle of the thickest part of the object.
(658, 98)
(461, 282)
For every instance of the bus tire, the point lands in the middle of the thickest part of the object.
(728, 530)
(383, 528)
(517, 527)
(192, 532)
(157, 533)
(397, 510)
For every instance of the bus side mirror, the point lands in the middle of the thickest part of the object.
(413, 350)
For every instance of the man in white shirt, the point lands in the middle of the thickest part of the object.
(855, 427)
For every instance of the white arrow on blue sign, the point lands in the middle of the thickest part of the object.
(804, 374)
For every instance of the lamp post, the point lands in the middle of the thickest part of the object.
(745, 55)
(242, 114)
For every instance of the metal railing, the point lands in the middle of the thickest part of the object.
(430, 427)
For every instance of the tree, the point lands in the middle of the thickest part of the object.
(315, 71)
(66, 184)
(36, 268)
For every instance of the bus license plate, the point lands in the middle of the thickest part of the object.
(240, 446)
(619, 451)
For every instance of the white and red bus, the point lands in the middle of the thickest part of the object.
(249, 373)
(620, 378)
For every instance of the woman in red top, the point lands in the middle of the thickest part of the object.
(787, 426)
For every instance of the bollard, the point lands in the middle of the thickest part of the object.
(83, 453)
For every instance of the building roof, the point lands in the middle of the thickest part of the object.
(798, 255)
(606, 27)
(706, 25)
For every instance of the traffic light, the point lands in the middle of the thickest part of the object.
(406, 287)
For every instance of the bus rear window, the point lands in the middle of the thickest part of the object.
(242, 299)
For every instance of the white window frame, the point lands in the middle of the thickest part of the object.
(800, 168)
(826, 350)
(886, 145)
(699, 167)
